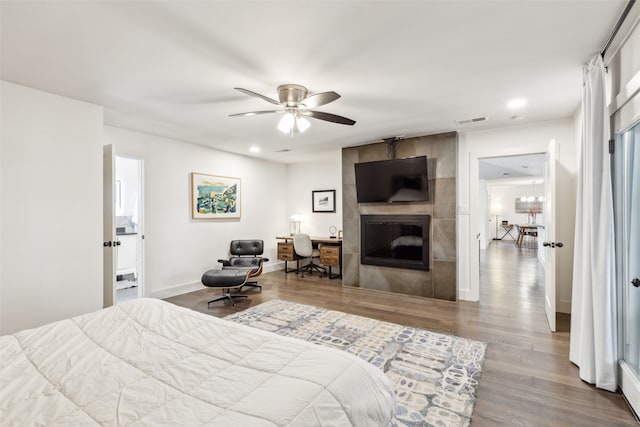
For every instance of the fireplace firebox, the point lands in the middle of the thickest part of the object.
(400, 241)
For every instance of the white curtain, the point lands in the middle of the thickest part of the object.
(593, 344)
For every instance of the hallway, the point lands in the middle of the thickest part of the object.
(512, 280)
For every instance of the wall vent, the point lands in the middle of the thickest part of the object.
(470, 121)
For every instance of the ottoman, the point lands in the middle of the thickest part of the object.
(226, 280)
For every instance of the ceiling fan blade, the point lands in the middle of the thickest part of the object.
(255, 113)
(319, 99)
(328, 117)
(251, 93)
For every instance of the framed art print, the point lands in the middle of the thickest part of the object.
(214, 197)
(324, 200)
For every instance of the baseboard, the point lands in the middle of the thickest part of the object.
(268, 268)
(176, 290)
(185, 288)
(466, 295)
(631, 387)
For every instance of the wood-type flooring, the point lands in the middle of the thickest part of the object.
(527, 377)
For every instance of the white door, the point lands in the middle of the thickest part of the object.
(108, 226)
(627, 215)
(550, 244)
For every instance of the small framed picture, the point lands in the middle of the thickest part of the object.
(324, 200)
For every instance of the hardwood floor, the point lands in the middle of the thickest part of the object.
(527, 378)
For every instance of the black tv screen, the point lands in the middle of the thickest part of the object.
(389, 181)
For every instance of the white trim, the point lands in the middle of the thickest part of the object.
(176, 290)
(630, 22)
(472, 293)
(185, 288)
(466, 295)
(625, 95)
(630, 385)
(273, 267)
(628, 115)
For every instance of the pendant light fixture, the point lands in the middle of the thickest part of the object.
(532, 197)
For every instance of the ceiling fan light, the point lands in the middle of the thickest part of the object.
(302, 123)
(286, 123)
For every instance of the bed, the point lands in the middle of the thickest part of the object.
(149, 362)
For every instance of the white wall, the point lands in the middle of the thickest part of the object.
(178, 249)
(303, 178)
(528, 139)
(51, 218)
(505, 194)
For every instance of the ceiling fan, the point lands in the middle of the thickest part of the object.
(296, 103)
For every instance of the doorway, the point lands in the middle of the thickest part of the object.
(128, 180)
(512, 192)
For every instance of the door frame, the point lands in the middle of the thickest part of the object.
(474, 215)
(141, 236)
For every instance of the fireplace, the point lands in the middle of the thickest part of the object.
(400, 241)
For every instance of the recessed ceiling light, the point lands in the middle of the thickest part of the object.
(254, 149)
(517, 103)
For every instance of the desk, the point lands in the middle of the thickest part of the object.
(507, 228)
(330, 253)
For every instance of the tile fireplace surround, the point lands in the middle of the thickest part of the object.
(440, 281)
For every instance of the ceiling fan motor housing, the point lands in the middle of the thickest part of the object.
(291, 95)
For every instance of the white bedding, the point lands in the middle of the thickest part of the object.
(149, 362)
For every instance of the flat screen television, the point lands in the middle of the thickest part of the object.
(390, 181)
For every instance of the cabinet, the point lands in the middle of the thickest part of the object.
(330, 255)
(286, 252)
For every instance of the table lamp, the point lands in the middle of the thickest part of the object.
(294, 223)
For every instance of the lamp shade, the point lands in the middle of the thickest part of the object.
(293, 122)
(286, 123)
(302, 123)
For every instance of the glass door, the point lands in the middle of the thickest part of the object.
(627, 214)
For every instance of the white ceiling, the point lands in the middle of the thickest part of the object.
(402, 68)
(513, 168)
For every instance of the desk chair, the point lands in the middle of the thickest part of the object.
(304, 248)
